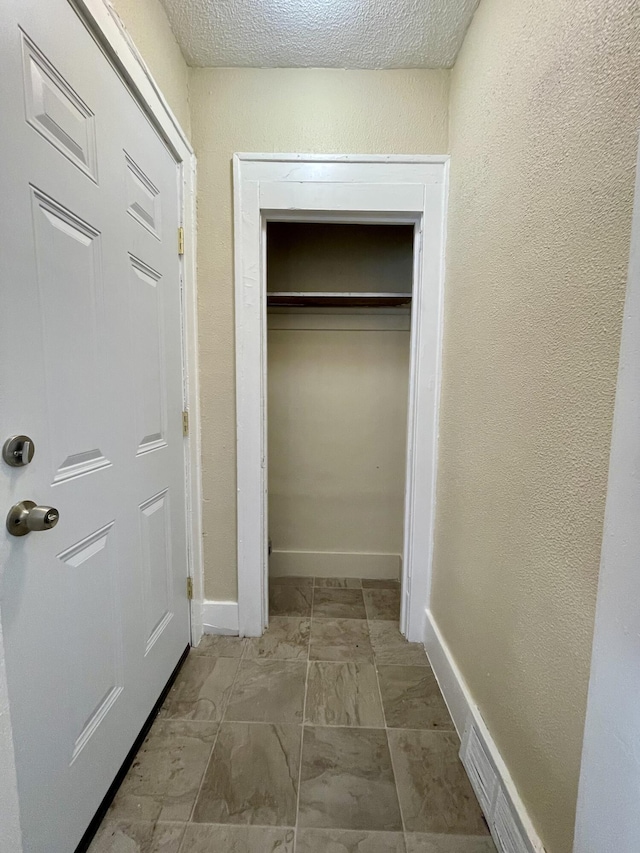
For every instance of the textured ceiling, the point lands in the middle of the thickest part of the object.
(320, 33)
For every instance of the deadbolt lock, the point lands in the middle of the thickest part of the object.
(26, 516)
(18, 450)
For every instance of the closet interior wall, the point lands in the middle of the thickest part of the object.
(337, 401)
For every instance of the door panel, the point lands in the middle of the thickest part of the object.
(155, 540)
(147, 329)
(94, 675)
(144, 201)
(71, 292)
(94, 612)
(54, 109)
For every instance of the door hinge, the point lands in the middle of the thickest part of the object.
(190, 588)
(181, 240)
(185, 422)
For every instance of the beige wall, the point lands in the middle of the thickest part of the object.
(301, 110)
(337, 402)
(543, 113)
(543, 121)
(148, 26)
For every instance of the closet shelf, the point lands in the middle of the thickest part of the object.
(291, 299)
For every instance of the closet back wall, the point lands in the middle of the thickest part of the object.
(337, 404)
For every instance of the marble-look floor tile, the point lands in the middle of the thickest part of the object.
(164, 778)
(343, 694)
(291, 580)
(268, 691)
(339, 583)
(252, 777)
(286, 638)
(340, 639)
(290, 600)
(435, 793)
(119, 836)
(412, 698)
(220, 838)
(419, 842)
(338, 604)
(347, 781)
(219, 646)
(390, 647)
(348, 841)
(380, 583)
(382, 604)
(201, 690)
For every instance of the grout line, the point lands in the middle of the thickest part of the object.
(304, 714)
(215, 740)
(244, 648)
(316, 726)
(239, 826)
(204, 773)
(386, 731)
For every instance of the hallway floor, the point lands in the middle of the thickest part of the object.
(327, 735)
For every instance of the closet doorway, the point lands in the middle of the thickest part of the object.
(338, 325)
(338, 347)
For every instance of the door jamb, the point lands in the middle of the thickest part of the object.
(260, 194)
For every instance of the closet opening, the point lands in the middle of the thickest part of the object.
(337, 377)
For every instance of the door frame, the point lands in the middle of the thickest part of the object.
(109, 32)
(338, 188)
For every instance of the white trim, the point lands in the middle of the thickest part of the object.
(351, 159)
(220, 617)
(464, 710)
(107, 26)
(338, 188)
(608, 815)
(111, 34)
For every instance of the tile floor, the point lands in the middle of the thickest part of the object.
(326, 735)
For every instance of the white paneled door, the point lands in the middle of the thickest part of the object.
(94, 610)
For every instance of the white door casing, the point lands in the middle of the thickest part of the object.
(94, 612)
(337, 188)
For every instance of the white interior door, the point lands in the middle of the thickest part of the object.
(94, 611)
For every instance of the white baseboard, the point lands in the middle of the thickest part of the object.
(334, 564)
(220, 617)
(464, 711)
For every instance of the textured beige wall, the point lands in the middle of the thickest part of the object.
(543, 120)
(301, 110)
(148, 26)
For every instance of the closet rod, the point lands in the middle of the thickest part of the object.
(324, 299)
